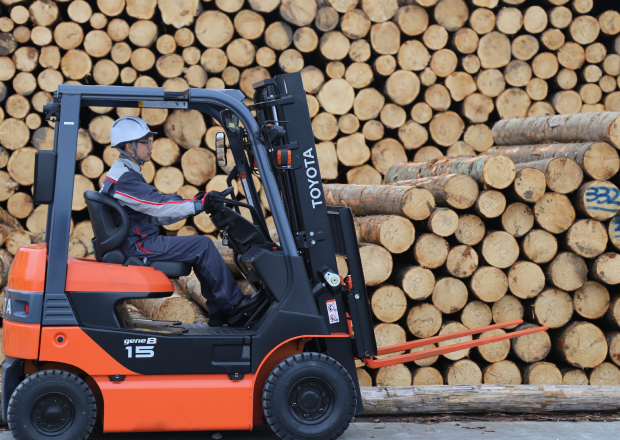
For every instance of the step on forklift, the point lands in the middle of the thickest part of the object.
(74, 356)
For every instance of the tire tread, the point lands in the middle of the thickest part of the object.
(289, 363)
(40, 377)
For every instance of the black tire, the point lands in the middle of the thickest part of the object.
(309, 396)
(52, 404)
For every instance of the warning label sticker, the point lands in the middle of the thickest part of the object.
(332, 311)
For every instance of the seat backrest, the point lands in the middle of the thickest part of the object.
(108, 234)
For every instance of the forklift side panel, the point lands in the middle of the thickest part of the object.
(71, 345)
(84, 275)
(20, 340)
(176, 403)
(28, 269)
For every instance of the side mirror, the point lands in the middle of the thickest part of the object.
(220, 148)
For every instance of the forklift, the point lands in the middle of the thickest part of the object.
(74, 356)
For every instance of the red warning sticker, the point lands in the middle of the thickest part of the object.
(332, 311)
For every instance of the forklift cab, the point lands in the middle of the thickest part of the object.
(293, 367)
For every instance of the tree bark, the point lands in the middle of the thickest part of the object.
(413, 203)
(497, 173)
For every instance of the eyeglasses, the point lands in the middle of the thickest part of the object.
(149, 142)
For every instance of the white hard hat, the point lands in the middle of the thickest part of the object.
(128, 129)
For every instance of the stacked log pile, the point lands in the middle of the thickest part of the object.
(387, 81)
(526, 231)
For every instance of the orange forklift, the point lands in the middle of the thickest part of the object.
(74, 356)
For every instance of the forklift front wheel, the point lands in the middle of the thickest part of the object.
(309, 396)
(52, 404)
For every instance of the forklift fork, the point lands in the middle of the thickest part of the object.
(409, 357)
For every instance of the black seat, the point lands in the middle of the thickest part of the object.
(111, 227)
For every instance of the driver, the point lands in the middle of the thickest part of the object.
(147, 208)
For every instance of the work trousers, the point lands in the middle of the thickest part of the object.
(216, 282)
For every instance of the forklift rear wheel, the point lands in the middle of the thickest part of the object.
(52, 404)
(309, 396)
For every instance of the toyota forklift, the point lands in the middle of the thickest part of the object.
(74, 356)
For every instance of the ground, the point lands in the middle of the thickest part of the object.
(581, 426)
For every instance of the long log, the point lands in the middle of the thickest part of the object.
(580, 127)
(413, 203)
(457, 191)
(495, 171)
(442, 399)
(599, 160)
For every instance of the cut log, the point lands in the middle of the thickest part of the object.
(413, 203)
(457, 191)
(417, 282)
(173, 308)
(430, 251)
(513, 103)
(554, 213)
(424, 320)
(385, 65)
(368, 104)
(567, 271)
(352, 150)
(443, 222)
(377, 264)
(497, 351)
(563, 174)
(574, 376)
(392, 116)
(393, 232)
(497, 174)
(597, 200)
(449, 295)
(16, 239)
(364, 175)
(526, 280)
(518, 219)
(402, 87)
(444, 62)
(462, 261)
(412, 135)
(491, 82)
(388, 303)
(476, 314)
(494, 50)
(394, 375)
(14, 134)
(542, 373)
(591, 300)
(566, 79)
(537, 89)
(489, 284)
(605, 268)
(605, 374)
(426, 362)
(490, 204)
(460, 149)
(533, 347)
(599, 160)
(437, 97)
(539, 246)
(582, 345)
(451, 327)
(482, 21)
(463, 372)
(503, 373)
(507, 309)
(552, 308)
(389, 334)
(587, 238)
(471, 230)
(613, 231)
